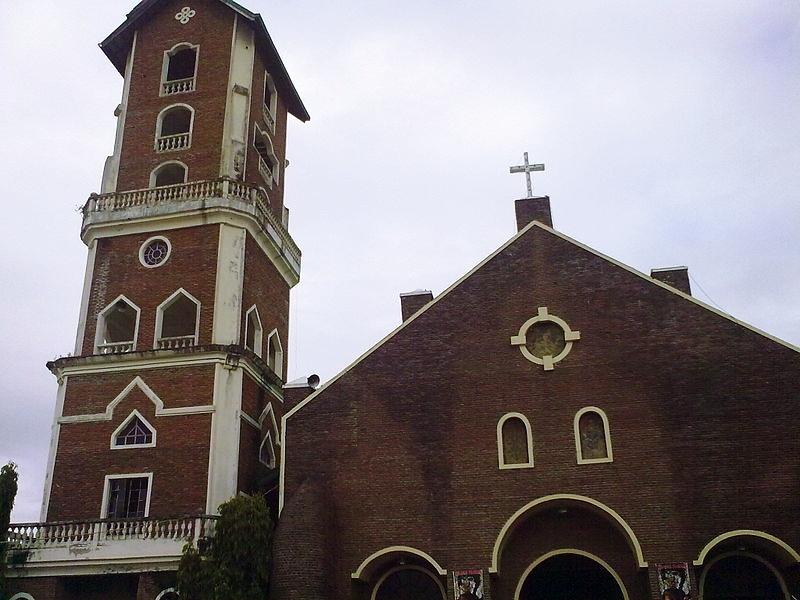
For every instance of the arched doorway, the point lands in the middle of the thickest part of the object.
(741, 576)
(408, 583)
(570, 575)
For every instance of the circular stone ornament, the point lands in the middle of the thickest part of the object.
(155, 252)
(185, 14)
(545, 339)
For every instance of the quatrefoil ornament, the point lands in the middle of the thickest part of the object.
(545, 339)
(186, 13)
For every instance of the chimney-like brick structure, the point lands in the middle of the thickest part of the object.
(677, 277)
(533, 209)
(411, 302)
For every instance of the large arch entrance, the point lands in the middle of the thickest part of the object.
(742, 576)
(570, 575)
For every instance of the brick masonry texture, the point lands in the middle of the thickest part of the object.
(701, 416)
(192, 265)
(212, 29)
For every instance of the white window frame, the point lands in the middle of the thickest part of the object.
(160, 316)
(107, 491)
(165, 66)
(276, 167)
(100, 321)
(271, 109)
(135, 414)
(160, 122)
(273, 460)
(149, 241)
(576, 427)
(501, 459)
(277, 368)
(154, 172)
(258, 338)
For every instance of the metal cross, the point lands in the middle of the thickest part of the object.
(527, 168)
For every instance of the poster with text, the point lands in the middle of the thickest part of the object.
(468, 585)
(673, 581)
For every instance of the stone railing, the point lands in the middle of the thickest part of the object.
(170, 143)
(226, 189)
(265, 170)
(177, 86)
(176, 342)
(35, 536)
(269, 119)
(115, 347)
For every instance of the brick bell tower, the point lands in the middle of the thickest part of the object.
(171, 402)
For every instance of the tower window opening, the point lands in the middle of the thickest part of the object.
(267, 160)
(170, 173)
(514, 442)
(134, 432)
(174, 128)
(117, 326)
(253, 332)
(127, 497)
(270, 101)
(177, 321)
(275, 353)
(180, 70)
(266, 452)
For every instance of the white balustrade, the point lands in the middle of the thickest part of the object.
(265, 170)
(170, 143)
(176, 342)
(177, 86)
(115, 347)
(269, 118)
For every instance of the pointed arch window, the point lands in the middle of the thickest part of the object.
(267, 160)
(592, 436)
(134, 432)
(117, 327)
(266, 452)
(253, 332)
(514, 442)
(177, 321)
(172, 172)
(174, 128)
(275, 353)
(179, 71)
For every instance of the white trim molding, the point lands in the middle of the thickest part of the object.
(227, 324)
(363, 574)
(181, 86)
(21, 596)
(137, 382)
(789, 554)
(583, 501)
(177, 141)
(158, 339)
(398, 568)
(606, 430)
(126, 345)
(267, 443)
(277, 364)
(88, 277)
(107, 490)
(146, 244)
(135, 414)
(258, 336)
(163, 593)
(583, 553)
(521, 339)
(501, 459)
(157, 170)
(777, 574)
(269, 411)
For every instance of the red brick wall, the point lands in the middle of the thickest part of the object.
(212, 29)
(252, 473)
(179, 462)
(264, 287)
(192, 265)
(701, 415)
(261, 64)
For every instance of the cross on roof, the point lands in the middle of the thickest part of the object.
(527, 168)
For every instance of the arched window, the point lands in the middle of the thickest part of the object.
(742, 574)
(117, 327)
(168, 594)
(266, 452)
(177, 321)
(134, 432)
(174, 128)
(21, 596)
(252, 331)
(407, 582)
(179, 72)
(267, 160)
(592, 436)
(169, 173)
(514, 442)
(275, 353)
(270, 101)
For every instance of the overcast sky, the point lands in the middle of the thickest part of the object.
(669, 129)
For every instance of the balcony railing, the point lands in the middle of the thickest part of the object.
(265, 170)
(170, 143)
(42, 536)
(176, 342)
(269, 119)
(177, 86)
(115, 347)
(226, 189)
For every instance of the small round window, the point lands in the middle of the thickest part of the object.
(155, 252)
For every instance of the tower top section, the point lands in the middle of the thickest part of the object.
(118, 44)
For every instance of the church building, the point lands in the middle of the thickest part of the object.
(555, 425)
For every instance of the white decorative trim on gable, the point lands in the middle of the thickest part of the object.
(135, 414)
(159, 404)
(546, 361)
(270, 412)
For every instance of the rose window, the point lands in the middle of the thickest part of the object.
(154, 252)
